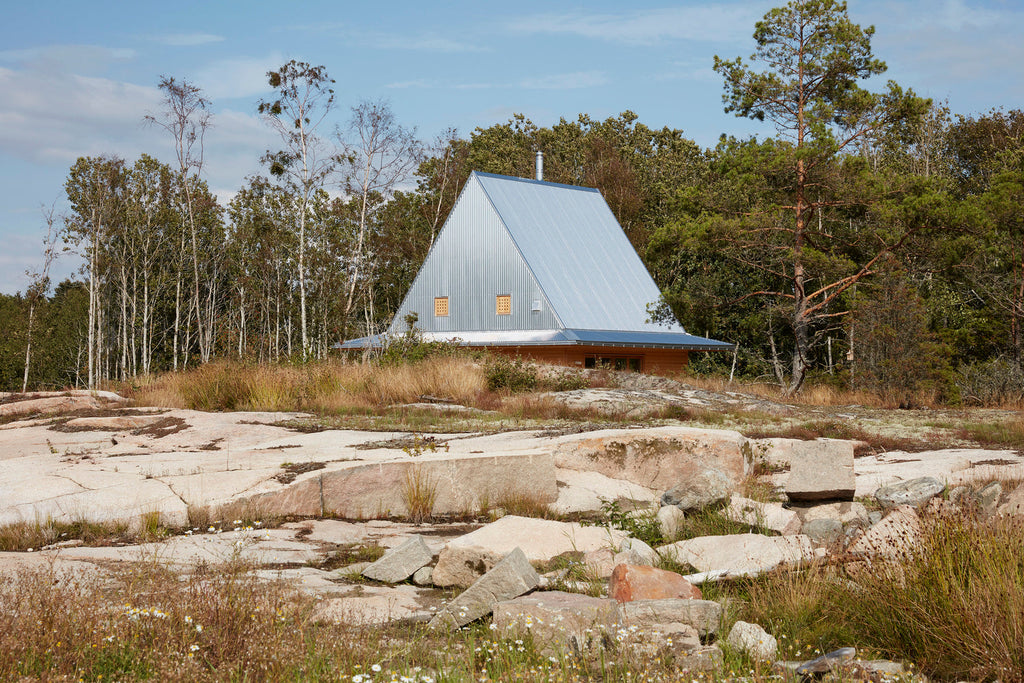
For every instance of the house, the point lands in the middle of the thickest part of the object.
(541, 270)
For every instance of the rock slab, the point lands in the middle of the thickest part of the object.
(740, 553)
(822, 470)
(511, 577)
(398, 564)
(558, 621)
(914, 492)
(703, 615)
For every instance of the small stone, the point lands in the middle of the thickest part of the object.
(671, 520)
(637, 582)
(399, 563)
(423, 576)
(913, 492)
(753, 640)
(827, 662)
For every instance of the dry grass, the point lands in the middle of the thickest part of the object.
(955, 608)
(820, 395)
(330, 388)
(419, 492)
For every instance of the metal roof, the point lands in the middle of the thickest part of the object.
(560, 255)
(578, 253)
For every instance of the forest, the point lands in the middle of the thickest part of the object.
(866, 239)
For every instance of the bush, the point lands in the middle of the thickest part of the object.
(996, 382)
(511, 374)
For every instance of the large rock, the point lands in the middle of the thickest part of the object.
(740, 553)
(822, 470)
(657, 458)
(1014, 504)
(398, 564)
(590, 491)
(15, 406)
(558, 621)
(466, 558)
(457, 483)
(914, 492)
(753, 640)
(509, 578)
(703, 615)
(896, 536)
(632, 582)
(765, 515)
(709, 486)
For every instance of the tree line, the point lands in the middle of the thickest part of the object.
(870, 239)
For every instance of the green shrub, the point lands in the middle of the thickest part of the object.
(510, 374)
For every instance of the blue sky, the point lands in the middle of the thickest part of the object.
(77, 78)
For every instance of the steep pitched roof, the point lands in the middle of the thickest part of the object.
(556, 245)
(578, 253)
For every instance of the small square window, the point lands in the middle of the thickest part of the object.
(503, 304)
(441, 306)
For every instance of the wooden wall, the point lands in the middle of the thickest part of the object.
(652, 361)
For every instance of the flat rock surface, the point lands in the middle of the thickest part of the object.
(739, 553)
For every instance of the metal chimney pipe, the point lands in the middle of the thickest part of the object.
(540, 165)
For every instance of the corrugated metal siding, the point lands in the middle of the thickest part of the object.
(578, 252)
(472, 262)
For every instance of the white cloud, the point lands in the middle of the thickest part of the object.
(188, 39)
(713, 22)
(238, 77)
(52, 59)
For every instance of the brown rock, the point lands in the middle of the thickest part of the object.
(637, 582)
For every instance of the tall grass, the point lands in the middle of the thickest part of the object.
(331, 387)
(955, 609)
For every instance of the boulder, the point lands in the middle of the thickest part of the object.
(702, 659)
(753, 640)
(399, 563)
(558, 621)
(658, 458)
(703, 615)
(914, 492)
(827, 662)
(709, 486)
(896, 535)
(638, 582)
(822, 470)
(590, 491)
(635, 551)
(1014, 504)
(466, 558)
(765, 515)
(511, 577)
(987, 497)
(740, 553)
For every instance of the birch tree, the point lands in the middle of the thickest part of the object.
(186, 118)
(303, 100)
(379, 154)
(39, 283)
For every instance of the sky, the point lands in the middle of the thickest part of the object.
(78, 78)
